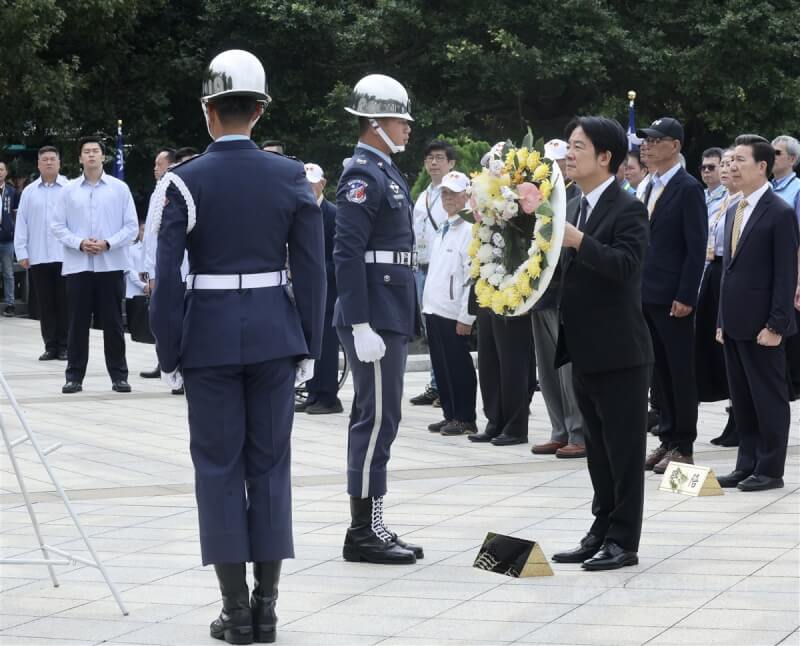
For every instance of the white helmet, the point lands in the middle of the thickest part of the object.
(377, 96)
(235, 72)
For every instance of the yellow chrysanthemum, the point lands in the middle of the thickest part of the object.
(541, 172)
(483, 292)
(546, 188)
(544, 245)
(498, 302)
(475, 269)
(533, 159)
(523, 284)
(512, 297)
(475, 227)
(534, 268)
(474, 245)
(545, 219)
(522, 157)
(510, 158)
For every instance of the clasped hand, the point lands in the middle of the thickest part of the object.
(93, 246)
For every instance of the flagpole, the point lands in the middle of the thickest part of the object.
(119, 161)
(633, 140)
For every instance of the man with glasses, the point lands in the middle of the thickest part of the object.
(672, 271)
(429, 216)
(709, 171)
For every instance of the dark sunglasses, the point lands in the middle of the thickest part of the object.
(708, 167)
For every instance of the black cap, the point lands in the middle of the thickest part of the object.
(663, 127)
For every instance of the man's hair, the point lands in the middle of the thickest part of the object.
(762, 149)
(637, 155)
(170, 154)
(272, 142)
(4, 162)
(235, 109)
(792, 145)
(91, 139)
(184, 153)
(48, 149)
(438, 144)
(713, 152)
(606, 135)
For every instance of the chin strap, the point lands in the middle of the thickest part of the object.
(382, 134)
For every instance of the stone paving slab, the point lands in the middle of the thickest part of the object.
(721, 570)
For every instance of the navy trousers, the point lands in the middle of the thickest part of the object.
(240, 425)
(376, 412)
(453, 367)
(760, 400)
(324, 385)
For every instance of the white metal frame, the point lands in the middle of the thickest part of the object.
(48, 560)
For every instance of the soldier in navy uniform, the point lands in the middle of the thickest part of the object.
(376, 312)
(238, 338)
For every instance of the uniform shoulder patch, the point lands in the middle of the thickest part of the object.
(356, 191)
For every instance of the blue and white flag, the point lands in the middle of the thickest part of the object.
(119, 158)
(633, 141)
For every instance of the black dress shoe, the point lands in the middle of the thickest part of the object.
(759, 483)
(120, 386)
(438, 426)
(62, 355)
(481, 437)
(729, 435)
(318, 408)
(71, 387)
(732, 479)
(587, 548)
(508, 440)
(611, 557)
(300, 406)
(151, 374)
(49, 355)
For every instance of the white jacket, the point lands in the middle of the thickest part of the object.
(446, 289)
(424, 231)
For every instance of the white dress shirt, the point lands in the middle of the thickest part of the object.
(593, 196)
(446, 292)
(134, 286)
(104, 211)
(33, 237)
(659, 183)
(424, 232)
(752, 200)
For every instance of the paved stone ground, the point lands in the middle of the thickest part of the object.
(720, 570)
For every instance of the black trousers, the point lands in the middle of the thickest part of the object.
(324, 385)
(793, 359)
(98, 293)
(453, 368)
(614, 409)
(674, 373)
(506, 370)
(712, 379)
(760, 399)
(50, 288)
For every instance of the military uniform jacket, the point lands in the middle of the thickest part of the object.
(244, 209)
(374, 212)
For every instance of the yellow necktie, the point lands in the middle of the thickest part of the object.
(737, 225)
(655, 193)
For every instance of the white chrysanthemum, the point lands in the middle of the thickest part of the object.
(495, 279)
(484, 253)
(507, 281)
(497, 240)
(496, 167)
(488, 270)
(497, 252)
(485, 234)
(500, 270)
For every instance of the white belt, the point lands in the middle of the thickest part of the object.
(391, 257)
(236, 281)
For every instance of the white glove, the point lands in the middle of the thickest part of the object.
(173, 379)
(369, 344)
(304, 371)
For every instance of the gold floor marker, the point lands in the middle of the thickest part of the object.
(512, 557)
(690, 480)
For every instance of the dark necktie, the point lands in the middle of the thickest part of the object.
(584, 211)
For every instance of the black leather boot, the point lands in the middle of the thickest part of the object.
(367, 538)
(418, 552)
(262, 604)
(235, 622)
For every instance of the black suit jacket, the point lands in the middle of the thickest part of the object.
(676, 255)
(602, 325)
(758, 282)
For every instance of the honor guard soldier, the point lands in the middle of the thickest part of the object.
(376, 312)
(238, 338)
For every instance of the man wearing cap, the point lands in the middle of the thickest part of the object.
(376, 311)
(672, 270)
(322, 388)
(445, 306)
(556, 149)
(237, 337)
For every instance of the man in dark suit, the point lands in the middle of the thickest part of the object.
(237, 337)
(670, 280)
(605, 336)
(756, 314)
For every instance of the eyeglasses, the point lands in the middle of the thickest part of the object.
(708, 167)
(436, 158)
(654, 141)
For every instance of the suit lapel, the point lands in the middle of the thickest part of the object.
(761, 208)
(669, 192)
(601, 208)
(573, 208)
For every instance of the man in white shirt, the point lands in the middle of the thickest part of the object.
(39, 252)
(444, 304)
(95, 220)
(429, 215)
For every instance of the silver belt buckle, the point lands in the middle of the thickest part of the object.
(404, 257)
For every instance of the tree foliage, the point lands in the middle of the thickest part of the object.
(483, 69)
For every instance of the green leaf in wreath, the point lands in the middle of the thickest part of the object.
(545, 209)
(547, 230)
(544, 264)
(466, 214)
(527, 141)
